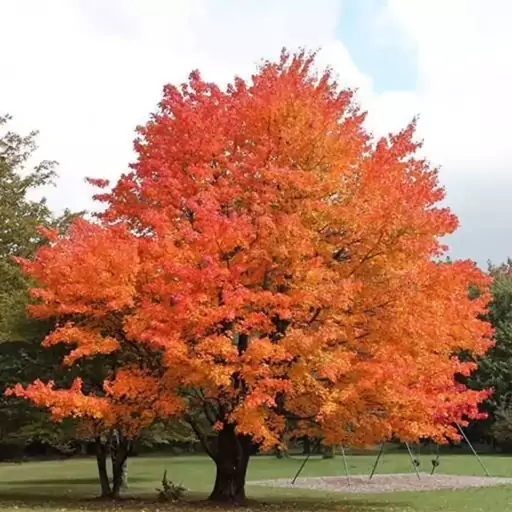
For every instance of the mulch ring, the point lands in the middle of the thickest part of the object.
(386, 483)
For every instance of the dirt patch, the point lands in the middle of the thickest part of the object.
(386, 483)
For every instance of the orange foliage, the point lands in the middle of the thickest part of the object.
(282, 264)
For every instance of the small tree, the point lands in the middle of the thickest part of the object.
(268, 262)
(20, 218)
(21, 357)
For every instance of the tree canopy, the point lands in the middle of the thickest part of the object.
(266, 261)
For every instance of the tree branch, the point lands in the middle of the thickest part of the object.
(201, 437)
(315, 315)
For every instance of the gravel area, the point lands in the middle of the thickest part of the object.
(386, 483)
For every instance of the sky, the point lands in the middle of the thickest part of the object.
(86, 72)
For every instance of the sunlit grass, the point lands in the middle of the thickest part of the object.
(72, 484)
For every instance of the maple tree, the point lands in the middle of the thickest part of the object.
(271, 264)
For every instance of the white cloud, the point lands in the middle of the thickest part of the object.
(86, 72)
(462, 52)
(464, 78)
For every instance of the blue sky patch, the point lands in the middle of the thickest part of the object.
(373, 47)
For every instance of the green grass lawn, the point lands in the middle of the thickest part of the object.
(70, 485)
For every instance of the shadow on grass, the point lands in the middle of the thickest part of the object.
(195, 502)
(61, 482)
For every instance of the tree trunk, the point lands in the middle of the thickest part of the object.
(124, 475)
(306, 446)
(101, 460)
(229, 484)
(118, 476)
(232, 460)
(119, 456)
(117, 480)
(329, 452)
(317, 447)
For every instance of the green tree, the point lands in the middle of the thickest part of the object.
(495, 368)
(21, 356)
(20, 422)
(20, 217)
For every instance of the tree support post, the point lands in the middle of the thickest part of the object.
(377, 461)
(413, 462)
(472, 449)
(345, 463)
(304, 462)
